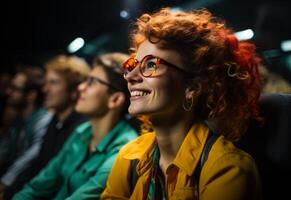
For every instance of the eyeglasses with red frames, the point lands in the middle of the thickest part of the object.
(149, 66)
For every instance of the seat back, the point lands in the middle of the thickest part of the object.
(270, 144)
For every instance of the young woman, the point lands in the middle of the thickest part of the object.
(81, 168)
(198, 86)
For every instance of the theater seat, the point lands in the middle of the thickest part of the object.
(270, 145)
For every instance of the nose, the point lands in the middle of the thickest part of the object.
(134, 76)
(82, 86)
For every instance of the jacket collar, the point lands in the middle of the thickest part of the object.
(187, 157)
(85, 134)
(190, 151)
(141, 149)
(117, 129)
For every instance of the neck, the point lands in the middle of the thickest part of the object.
(170, 136)
(62, 115)
(101, 126)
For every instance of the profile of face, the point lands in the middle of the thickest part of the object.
(93, 94)
(57, 95)
(160, 92)
(16, 93)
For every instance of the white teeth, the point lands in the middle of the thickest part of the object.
(138, 93)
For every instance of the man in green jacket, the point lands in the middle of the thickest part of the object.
(81, 168)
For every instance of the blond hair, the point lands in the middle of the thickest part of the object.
(72, 68)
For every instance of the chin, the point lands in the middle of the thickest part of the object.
(133, 111)
(79, 110)
(137, 111)
(83, 112)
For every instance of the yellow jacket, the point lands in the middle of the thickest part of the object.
(228, 174)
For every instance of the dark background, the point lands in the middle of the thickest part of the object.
(33, 31)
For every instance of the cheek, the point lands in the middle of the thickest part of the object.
(61, 90)
(92, 99)
(165, 88)
(169, 92)
(61, 97)
(61, 93)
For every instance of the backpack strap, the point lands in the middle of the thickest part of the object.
(134, 176)
(212, 137)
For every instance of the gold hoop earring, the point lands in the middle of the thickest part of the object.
(188, 104)
(229, 72)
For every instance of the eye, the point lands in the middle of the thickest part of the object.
(150, 65)
(89, 81)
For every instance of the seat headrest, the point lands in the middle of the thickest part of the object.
(272, 141)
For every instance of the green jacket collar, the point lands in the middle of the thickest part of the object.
(118, 129)
(86, 134)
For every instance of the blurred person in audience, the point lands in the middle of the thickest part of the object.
(7, 118)
(63, 75)
(198, 86)
(7, 115)
(81, 168)
(272, 82)
(5, 79)
(23, 141)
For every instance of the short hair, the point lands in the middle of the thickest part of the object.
(112, 64)
(73, 69)
(226, 68)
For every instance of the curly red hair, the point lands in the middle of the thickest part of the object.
(226, 68)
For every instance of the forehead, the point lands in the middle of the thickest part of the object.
(148, 48)
(99, 72)
(52, 74)
(19, 79)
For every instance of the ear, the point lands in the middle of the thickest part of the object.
(31, 96)
(116, 100)
(193, 90)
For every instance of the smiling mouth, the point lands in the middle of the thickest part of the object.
(139, 93)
